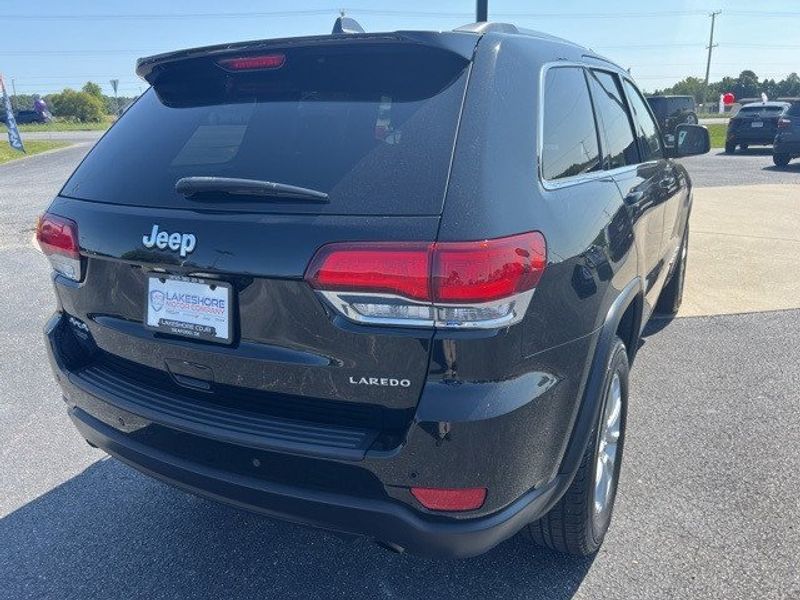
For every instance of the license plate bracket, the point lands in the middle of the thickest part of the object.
(189, 307)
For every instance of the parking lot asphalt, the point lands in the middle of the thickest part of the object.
(749, 167)
(708, 504)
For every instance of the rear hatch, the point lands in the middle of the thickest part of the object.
(758, 122)
(368, 125)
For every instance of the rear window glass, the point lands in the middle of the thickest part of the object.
(649, 136)
(749, 111)
(373, 128)
(619, 145)
(569, 135)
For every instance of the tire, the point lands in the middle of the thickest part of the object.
(672, 295)
(781, 160)
(730, 148)
(574, 525)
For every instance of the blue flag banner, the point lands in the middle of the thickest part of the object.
(11, 123)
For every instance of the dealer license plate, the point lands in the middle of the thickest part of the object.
(189, 307)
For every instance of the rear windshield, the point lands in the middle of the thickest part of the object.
(794, 110)
(663, 107)
(761, 111)
(374, 129)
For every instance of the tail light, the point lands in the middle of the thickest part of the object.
(784, 123)
(450, 500)
(481, 284)
(58, 239)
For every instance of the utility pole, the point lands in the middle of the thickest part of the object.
(711, 46)
(481, 11)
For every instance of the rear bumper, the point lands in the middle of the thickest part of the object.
(370, 496)
(755, 136)
(382, 520)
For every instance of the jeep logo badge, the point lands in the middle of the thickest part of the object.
(183, 242)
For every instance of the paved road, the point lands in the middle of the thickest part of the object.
(69, 136)
(708, 506)
(743, 168)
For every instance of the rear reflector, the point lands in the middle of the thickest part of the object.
(486, 283)
(450, 500)
(252, 63)
(58, 239)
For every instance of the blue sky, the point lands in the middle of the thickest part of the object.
(661, 42)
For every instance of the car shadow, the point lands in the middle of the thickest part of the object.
(657, 323)
(760, 151)
(110, 532)
(792, 167)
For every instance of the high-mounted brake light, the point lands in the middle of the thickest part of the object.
(450, 500)
(253, 63)
(481, 284)
(58, 239)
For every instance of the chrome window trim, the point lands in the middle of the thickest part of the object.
(555, 184)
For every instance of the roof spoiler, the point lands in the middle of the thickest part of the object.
(460, 43)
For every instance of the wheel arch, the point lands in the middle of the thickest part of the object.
(624, 316)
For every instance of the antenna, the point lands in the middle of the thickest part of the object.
(344, 24)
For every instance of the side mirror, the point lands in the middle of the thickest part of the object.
(691, 140)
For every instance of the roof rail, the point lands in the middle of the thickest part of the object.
(488, 27)
(346, 25)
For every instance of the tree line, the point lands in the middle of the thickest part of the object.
(89, 104)
(746, 85)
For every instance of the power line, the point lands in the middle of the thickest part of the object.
(356, 11)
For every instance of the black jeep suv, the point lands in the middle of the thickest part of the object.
(388, 284)
(671, 111)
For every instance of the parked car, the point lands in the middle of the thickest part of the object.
(754, 125)
(787, 140)
(671, 111)
(24, 116)
(383, 283)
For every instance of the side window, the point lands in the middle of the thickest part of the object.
(569, 135)
(646, 128)
(619, 144)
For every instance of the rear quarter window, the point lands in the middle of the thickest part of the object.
(569, 135)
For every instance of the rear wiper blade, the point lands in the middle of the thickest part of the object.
(190, 186)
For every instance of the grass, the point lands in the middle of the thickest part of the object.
(7, 153)
(717, 133)
(59, 125)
